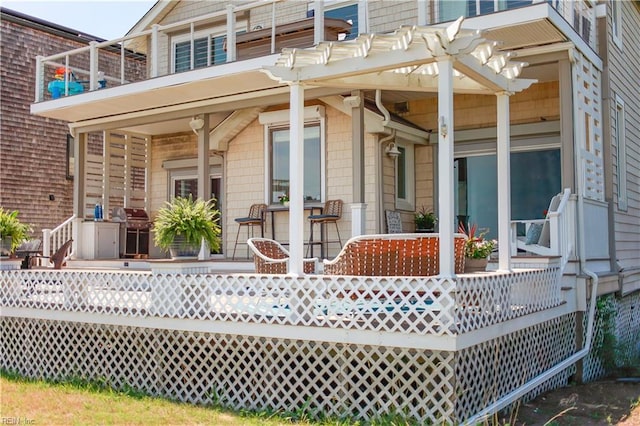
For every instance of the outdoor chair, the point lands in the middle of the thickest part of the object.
(331, 213)
(256, 217)
(59, 257)
(271, 258)
(538, 232)
(28, 250)
(393, 255)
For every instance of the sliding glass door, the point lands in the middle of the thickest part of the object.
(535, 179)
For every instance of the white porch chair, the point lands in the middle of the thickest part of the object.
(542, 236)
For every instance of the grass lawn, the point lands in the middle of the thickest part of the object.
(25, 402)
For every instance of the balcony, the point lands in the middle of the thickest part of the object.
(136, 58)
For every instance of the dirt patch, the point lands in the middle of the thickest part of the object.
(604, 402)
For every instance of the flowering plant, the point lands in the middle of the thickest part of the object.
(476, 247)
(283, 198)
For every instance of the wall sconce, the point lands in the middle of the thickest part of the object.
(392, 150)
(196, 124)
(443, 127)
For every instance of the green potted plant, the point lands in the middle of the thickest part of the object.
(183, 223)
(12, 231)
(425, 220)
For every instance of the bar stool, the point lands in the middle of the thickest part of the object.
(331, 213)
(256, 217)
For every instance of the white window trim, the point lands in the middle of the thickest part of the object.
(616, 22)
(188, 173)
(621, 153)
(280, 119)
(408, 203)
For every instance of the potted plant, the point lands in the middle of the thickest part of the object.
(284, 199)
(12, 231)
(183, 223)
(476, 248)
(425, 220)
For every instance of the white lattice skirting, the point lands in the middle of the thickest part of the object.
(341, 346)
(248, 372)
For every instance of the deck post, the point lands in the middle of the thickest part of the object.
(204, 183)
(446, 211)
(296, 179)
(503, 152)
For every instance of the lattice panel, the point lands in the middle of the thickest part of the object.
(627, 333)
(409, 305)
(495, 298)
(588, 125)
(243, 372)
(487, 372)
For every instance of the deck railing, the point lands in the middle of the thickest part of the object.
(140, 56)
(53, 239)
(405, 305)
(340, 346)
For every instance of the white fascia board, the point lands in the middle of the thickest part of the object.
(314, 112)
(218, 71)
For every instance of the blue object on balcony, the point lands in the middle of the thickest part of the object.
(56, 88)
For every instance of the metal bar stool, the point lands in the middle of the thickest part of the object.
(256, 217)
(331, 213)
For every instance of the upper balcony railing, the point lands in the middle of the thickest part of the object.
(252, 30)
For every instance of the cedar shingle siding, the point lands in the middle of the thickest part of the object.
(33, 149)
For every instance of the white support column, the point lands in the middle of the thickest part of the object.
(445, 166)
(39, 95)
(318, 21)
(204, 183)
(296, 179)
(363, 17)
(93, 65)
(504, 182)
(358, 208)
(231, 34)
(155, 50)
(79, 163)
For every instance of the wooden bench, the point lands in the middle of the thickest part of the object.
(393, 255)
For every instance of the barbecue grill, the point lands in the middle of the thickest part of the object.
(134, 231)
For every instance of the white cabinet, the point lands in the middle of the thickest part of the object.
(100, 240)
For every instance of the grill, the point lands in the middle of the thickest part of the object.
(134, 232)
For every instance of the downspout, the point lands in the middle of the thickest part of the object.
(380, 154)
(586, 347)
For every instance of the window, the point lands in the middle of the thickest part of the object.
(207, 50)
(405, 190)
(621, 154)
(616, 22)
(276, 156)
(348, 13)
(279, 163)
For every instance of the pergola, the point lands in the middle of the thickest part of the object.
(413, 58)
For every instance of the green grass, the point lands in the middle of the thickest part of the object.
(82, 402)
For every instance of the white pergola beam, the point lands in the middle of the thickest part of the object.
(402, 82)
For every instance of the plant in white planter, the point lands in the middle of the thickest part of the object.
(184, 223)
(12, 231)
